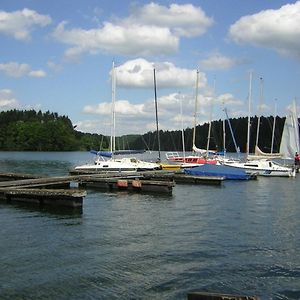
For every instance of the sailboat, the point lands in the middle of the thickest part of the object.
(107, 161)
(258, 153)
(200, 156)
(262, 167)
(290, 136)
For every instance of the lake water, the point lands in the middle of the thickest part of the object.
(241, 237)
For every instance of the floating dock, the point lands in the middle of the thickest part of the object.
(27, 188)
(162, 175)
(68, 198)
(127, 183)
(56, 190)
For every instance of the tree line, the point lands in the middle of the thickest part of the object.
(31, 130)
(36, 131)
(172, 140)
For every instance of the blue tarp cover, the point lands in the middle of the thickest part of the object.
(218, 170)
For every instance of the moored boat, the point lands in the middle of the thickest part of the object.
(125, 164)
(220, 170)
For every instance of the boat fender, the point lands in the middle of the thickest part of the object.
(121, 183)
(136, 184)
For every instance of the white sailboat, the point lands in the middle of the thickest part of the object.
(258, 153)
(290, 136)
(262, 167)
(114, 164)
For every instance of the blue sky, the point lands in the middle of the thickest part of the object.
(57, 56)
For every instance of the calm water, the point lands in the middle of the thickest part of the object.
(242, 237)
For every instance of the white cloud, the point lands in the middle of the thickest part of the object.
(275, 29)
(184, 20)
(19, 24)
(14, 69)
(150, 30)
(217, 61)
(138, 73)
(56, 67)
(122, 107)
(37, 73)
(117, 39)
(7, 100)
(228, 100)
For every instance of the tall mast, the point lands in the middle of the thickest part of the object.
(210, 120)
(249, 111)
(182, 130)
(224, 138)
(274, 124)
(156, 114)
(196, 109)
(113, 116)
(224, 131)
(259, 109)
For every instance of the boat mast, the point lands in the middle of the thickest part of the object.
(210, 120)
(113, 113)
(224, 137)
(156, 115)
(274, 124)
(232, 135)
(296, 126)
(249, 109)
(259, 110)
(196, 109)
(182, 130)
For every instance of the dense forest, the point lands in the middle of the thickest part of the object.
(37, 131)
(172, 140)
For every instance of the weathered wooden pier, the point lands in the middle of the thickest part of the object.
(40, 190)
(56, 191)
(160, 176)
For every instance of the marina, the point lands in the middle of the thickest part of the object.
(200, 237)
(149, 150)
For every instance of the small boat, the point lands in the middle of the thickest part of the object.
(125, 164)
(220, 170)
(263, 167)
(200, 156)
(106, 161)
(174, 157)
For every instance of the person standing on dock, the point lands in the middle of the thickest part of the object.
(297, 162)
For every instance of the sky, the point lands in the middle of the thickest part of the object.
(57, 56)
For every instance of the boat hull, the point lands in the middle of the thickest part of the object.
(263, 168)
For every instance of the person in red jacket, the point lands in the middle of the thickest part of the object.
(297, 162)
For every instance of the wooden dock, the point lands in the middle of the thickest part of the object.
(27, 188)
(160, 175)
(127, 183)
(56, 190)
(68, 198)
